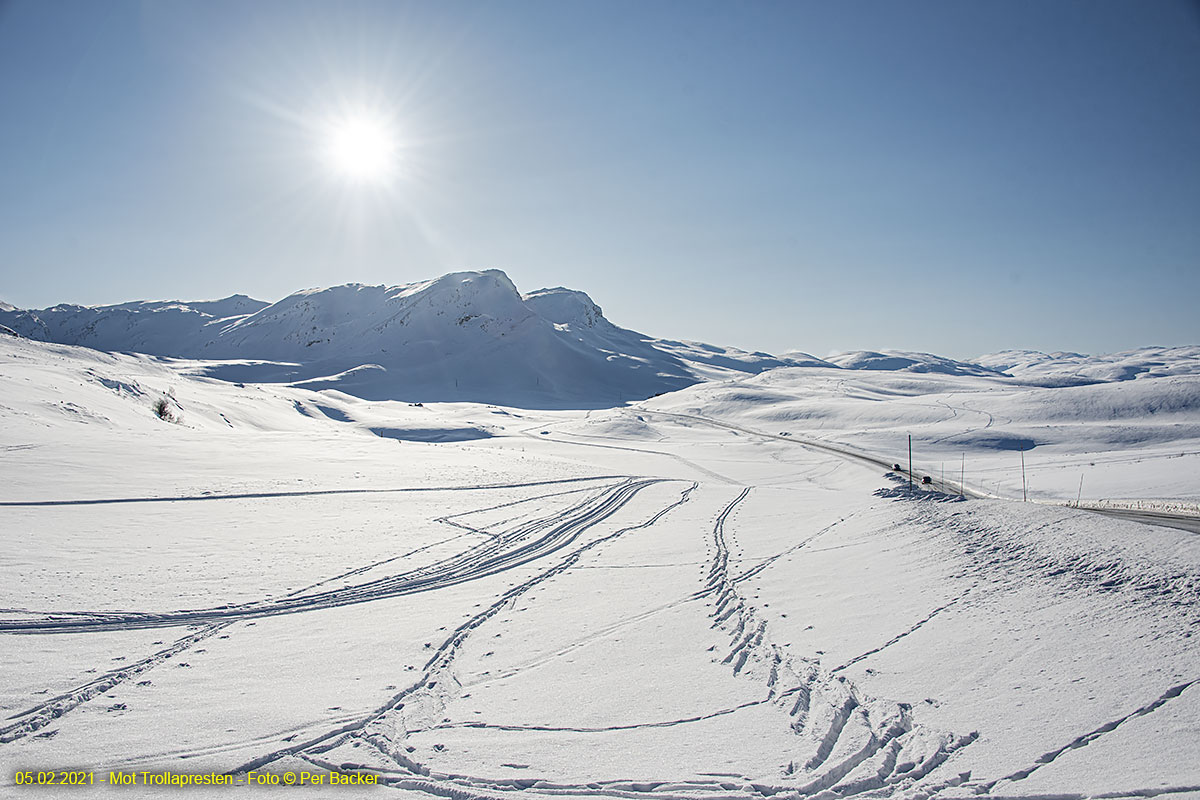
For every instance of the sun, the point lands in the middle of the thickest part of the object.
(362, 150)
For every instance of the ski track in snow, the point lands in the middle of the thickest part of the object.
(604, 728)
(596, 507)
(842, 742)
(835, 730)
(628, 448)
(1091, 736)
(504, 552)
(44, 713)
(437, 670)
(825, 710)
(838, 733)
(900, 636)
(991, 420)
(298, 493)
(752, 656)
(527, 543)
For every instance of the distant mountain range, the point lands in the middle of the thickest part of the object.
(473, 336)
(463, 336)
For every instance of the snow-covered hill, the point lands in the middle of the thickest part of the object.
(472, 336)
(1099, 442)
(463, 336)
(901, 361)
(1074, 369)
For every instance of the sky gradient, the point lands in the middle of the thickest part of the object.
(956, 177)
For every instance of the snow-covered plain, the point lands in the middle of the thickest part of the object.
(1131, 444)
(702, 595)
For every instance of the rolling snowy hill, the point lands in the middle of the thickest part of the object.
(900, 361)
(1074, 369)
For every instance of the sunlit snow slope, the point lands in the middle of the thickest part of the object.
(670, 601)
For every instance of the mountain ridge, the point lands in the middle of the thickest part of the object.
(463, 336)
(473, 336)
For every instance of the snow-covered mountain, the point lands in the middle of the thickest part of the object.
(474, 336)
(463, 336)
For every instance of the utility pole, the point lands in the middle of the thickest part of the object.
(910, 461)
(1024, 491)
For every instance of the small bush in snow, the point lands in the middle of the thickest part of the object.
(162, 409)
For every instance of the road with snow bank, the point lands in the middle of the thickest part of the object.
(1185, 522)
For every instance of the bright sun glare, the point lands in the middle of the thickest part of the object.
(363, 150)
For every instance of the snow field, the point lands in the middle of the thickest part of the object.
(633, 602)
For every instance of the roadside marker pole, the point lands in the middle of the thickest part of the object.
(1024, 491)
(910, 461)
(962, 476)
(1079, 497)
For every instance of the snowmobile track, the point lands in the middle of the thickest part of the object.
(530, 542)
(437, 670)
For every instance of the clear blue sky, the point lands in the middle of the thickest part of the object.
(951, 176)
